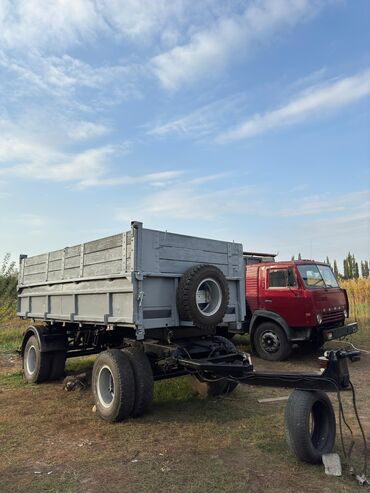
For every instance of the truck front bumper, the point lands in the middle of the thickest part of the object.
(344, 330)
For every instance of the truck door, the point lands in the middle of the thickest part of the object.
(283, 296)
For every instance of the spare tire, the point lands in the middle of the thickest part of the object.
(203, 296)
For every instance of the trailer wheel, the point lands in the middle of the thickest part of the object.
(218, 386)
(144, 382)
(36, 364)
(310, 425)
(58, 362)
(203, 296)
(271, 342)
(113, 385)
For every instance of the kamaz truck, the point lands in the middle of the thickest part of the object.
(293, 302)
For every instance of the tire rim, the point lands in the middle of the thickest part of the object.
(208, 297)
(270, 342)
(105, 386)
(31, 358)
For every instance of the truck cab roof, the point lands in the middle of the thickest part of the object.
(287, 263)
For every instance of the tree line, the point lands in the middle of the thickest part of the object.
(8, 287)
(352, 269)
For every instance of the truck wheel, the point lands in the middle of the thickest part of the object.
(310, 425)
(218, 386)
(203, 296)
(144, 382)
(36, 365)
(271, 342)
(58, 362)
(113, 385)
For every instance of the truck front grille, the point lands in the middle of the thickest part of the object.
(331, 317)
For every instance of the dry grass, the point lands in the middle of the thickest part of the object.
(358, 291)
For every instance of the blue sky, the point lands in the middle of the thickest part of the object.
(239, 120)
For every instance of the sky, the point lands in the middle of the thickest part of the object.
(244, 121)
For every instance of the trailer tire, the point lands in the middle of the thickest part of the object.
(58, 362)
(219, 386)
(113, 385)
(270, 342)
(144, 382)
(198, 283)
(310, 425)
(36, 364)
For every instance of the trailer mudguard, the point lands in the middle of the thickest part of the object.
(49, 341)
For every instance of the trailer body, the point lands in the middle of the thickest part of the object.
(126, 280)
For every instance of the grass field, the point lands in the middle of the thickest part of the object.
(51, 441)
(358, 291)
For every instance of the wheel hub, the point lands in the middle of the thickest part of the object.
(208, 297)
(105, 386)
(270, 342)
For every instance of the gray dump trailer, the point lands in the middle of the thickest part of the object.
(148, 303)
(130, 280)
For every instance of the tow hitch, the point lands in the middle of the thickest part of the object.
(238, 366)
(310, 424)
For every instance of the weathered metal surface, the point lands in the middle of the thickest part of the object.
(129, 279)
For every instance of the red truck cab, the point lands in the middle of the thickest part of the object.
(293, 302)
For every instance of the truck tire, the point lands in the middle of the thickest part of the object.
(144, 382)
(113, 384)
(36, 365)
(310, 425)
(218, 386)
(271, 342)
(58, 362)
(203, 296)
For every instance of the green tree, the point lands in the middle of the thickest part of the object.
(336, 272)
(345, 269)
(365, 268)
(350, 267)
(356, 274)
(8, 288)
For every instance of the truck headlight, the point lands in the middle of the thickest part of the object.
(319, 318)
(345, 314)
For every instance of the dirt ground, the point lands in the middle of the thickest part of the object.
(51, 441)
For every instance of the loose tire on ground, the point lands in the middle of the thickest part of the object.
(310, 425)
(203, 296)
(143, 376)
(36, 364)
(271, 342)
(218, 386)
(113, 385)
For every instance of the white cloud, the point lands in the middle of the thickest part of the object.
(62, 76)
(160, 178)
(198, 123)
(84, 130)
(314, 101)
(314, 205)
(35, 24)
(39, 162)
(210, 49)
(188, 201)
(24, 155)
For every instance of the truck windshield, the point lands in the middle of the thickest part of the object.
(328, 276)
(317, 276)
